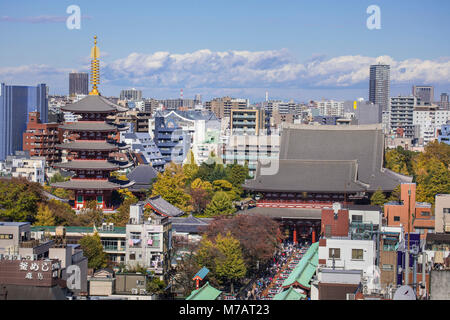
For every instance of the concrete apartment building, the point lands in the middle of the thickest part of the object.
(253, 149)
(402, 115)
(429, 120)
(21, 165)
(442, 213)
(396, 213)
(246, 121)
(331, 108)
(40, 139)
(222, 106)
(149, 241)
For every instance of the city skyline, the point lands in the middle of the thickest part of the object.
(266, 46)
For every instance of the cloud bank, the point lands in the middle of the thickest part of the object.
(243, 69)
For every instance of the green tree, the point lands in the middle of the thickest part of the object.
(63, 213)
(395, 194)
(19, 199)
(93, 250)
(432, 178)
(44, 216)
(91, 215)
(171, 185)
(122, 216)
(155, 286)
(230, 264)
(220, 204)
(190, 168)
(378, 198)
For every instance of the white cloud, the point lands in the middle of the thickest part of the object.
(240, 70)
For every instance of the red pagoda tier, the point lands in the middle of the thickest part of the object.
(94, 141)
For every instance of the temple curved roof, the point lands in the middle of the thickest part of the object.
(88, 145)
(87, 164)
(94, 104)
(88, 126)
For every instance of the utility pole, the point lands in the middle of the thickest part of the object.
(409, 235)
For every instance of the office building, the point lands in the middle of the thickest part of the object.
(379, 85)
(425, 94)
(78, 83)
(16, 102)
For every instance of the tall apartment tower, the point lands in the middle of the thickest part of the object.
(16, 102)
(78, 83)
(379, 89)
(424, 93)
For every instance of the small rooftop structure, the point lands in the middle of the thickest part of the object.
(162, 207)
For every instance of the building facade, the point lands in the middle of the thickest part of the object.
(40, 139)
(379, 85)
(16, 102)
(78, 83)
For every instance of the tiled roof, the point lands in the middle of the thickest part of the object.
(92, 184)
(93, 103)
(305, 269)
(189, 225)
(88, 126)
(293, 213)
(207, 292)
(163, 207)
(289, 294)
(88, 145)
(87, 164)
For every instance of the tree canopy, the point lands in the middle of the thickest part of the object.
(93, 250)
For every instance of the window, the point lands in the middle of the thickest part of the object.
(336, 251)
(357, 254)
(446, 210)
(425, 213)
(132, 256)
(396, 218)
(135, 235)
(6, 236)
(387, 267)
(357, 218)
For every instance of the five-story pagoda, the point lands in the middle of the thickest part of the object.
(90, 150)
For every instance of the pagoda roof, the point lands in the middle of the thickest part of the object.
(88, 126)
(88, 145)
(92, 184)
(87, 164)
(94, 104)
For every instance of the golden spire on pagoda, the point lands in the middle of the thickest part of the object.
(95, 68)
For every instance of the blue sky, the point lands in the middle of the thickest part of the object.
(293, 49)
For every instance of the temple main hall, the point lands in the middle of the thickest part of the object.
(318, 166)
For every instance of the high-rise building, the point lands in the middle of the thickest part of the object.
(15, 104)
(444, 104)
(424, 93)
(78, 83)
(379, 89)
(247, 121)
(131, 94)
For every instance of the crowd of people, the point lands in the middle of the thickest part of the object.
(256, 289)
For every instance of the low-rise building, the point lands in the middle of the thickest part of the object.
(442, 213)
(22, 165)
